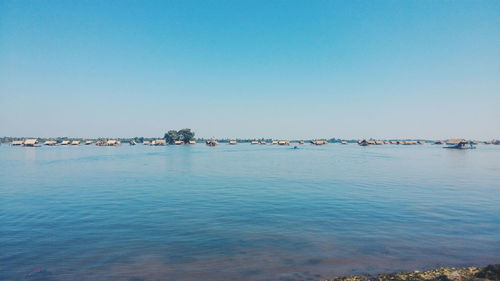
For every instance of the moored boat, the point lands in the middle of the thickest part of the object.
(319, 142)
(16, 143)
(50, 143)
(363, 143)
(30, 142)
(459, 144)
(113, 143)
(211, 142)
(160, 142)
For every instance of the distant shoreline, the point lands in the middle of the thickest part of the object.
(320, 141)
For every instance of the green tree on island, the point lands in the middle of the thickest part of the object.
(184, 135)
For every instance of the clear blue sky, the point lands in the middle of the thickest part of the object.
(281, 69)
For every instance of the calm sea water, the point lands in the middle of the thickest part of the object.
(244, 212)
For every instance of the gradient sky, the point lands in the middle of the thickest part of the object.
(250, 68)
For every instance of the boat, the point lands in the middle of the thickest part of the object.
(16, 143)
(211, 142)
(113, 143)
(50, 142)
(160, 142)
(30, 142)
(319, 142)
(363, 143)
(459, 144)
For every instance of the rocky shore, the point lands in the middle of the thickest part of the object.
(490, 272)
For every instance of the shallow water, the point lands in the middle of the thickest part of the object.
(244, 212)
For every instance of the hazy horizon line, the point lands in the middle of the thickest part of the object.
(245, 138)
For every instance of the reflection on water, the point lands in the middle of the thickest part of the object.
(244, 212)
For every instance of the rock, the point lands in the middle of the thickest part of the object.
(491, 272)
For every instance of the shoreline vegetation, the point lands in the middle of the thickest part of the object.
(186, 137)
(472, 273)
